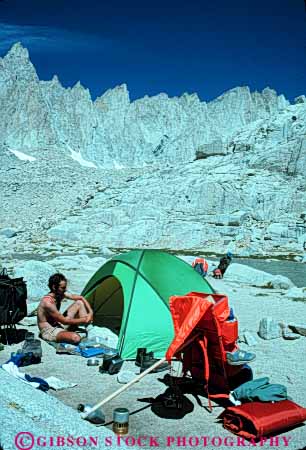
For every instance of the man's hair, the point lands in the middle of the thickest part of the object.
(55, 280)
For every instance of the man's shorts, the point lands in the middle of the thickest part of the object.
(49, 333)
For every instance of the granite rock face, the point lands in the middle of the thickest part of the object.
(159, 172)
(114, 131)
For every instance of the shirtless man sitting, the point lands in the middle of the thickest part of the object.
(53, 325)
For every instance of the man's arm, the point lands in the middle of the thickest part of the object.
(79, 297)
(53, 312)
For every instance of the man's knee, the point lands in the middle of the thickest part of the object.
(77, 304)
(73, 309)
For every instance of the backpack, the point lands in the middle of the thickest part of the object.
(224, 263)
(201, 266)
(13, 299)
(203, 335)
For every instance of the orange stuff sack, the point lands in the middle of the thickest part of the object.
(256, 419)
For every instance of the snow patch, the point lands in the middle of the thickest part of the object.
(118, 166)
(79, 158)
(22, 156)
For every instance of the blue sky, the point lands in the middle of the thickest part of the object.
(170, 46)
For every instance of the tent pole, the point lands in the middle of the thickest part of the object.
(123, 388)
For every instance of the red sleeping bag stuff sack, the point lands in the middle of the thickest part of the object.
(257, 419)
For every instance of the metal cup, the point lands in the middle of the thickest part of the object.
(121, 421)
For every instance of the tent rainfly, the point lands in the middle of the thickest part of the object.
(130, 295)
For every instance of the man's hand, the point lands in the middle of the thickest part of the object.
(90, 317)
(87, 319)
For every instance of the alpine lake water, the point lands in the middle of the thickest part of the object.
(293, 270)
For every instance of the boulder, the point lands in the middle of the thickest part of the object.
(253, 277)
(281, 282)
(289, 335)
(77, 262)
(277, 230)
(248, 338)
(125, 376)
(298, 328)
(214, 148)
(238, 218)
(68, 232)
(8, 232)
(32, 309)
(36, 274)
(302, 239)
(105, 251)
(296, 293)
(269, 329)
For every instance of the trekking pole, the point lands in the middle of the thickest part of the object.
(123, 388)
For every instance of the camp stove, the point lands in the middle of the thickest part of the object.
(173, 398)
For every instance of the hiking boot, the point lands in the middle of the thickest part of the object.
(148, 360)
(32, 345)
(29, 336)
(139, 357)
(239, 357)
(21, 359)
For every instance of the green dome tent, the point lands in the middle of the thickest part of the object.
(130, 294)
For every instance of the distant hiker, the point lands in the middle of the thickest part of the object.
(58, 327)
(223, 265)
(201, 266)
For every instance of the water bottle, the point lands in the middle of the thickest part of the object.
(231, 317)
(97, 417)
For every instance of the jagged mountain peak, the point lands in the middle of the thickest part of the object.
(300, 99)
(55, 79)
(80, 91)
(190, 98)
(17, 63)
(112, 129)
(119, 95)
(17, 51)
(78, 85)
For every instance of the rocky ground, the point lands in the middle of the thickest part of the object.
(279, 359)
(55, 206)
